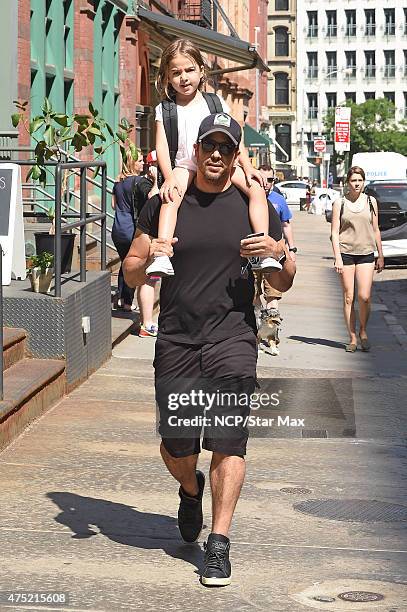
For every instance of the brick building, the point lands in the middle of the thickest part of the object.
(105, 51)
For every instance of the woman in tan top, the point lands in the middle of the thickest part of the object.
(355, 236)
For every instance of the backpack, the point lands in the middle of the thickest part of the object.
(139, 195)
(372, 210)
(170, 120)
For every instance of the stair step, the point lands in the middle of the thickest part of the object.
(31, 387)
(13, 346)
(122, 327)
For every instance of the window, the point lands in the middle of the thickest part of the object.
(281, 47)
(370, 17)
(390, 96)
(312, 105)
(312, 24)
(331, 100)
(281, 91)
(281, 5)
(351, 96)
(332, 28)
(312, 65)
(370, 67)
(350, 22)
(389, 64)
(351, 63)
(283, 138)
(370, 95)
(405, 21)
(332, 64)
(405, 104)
(405, 62)
(390, 21)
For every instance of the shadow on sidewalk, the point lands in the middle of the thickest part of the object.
(321, 341)
(125, 525)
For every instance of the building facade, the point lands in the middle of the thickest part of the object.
(108, 52)
(349, 50)
(282, 78)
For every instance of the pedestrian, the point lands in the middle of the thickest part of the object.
(270, 295)
(123, 225)
(207, 333)
(355, 235)
(180, 82)
(145, 188)
(330, 181)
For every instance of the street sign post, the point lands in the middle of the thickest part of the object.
(342, 128)
(11, 223)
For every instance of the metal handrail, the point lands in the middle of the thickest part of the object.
(1, 326)
(85, 218)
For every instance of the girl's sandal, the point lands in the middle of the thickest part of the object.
(350, 348)
(365, 344)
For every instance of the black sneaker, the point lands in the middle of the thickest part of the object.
(190, 518)
(217, 571)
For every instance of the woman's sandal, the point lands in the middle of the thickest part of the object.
(365, 344)
(351, 348)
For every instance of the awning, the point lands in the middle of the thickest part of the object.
(255, 140)
(208, 41)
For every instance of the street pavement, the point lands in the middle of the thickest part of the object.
(88, 509)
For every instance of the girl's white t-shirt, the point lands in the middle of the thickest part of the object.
(189, 120)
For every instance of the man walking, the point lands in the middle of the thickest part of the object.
(206, 340)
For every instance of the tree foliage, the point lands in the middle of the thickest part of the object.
(373, 127)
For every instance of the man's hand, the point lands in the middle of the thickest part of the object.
(282, 281)
(262, 246)
(160, 246)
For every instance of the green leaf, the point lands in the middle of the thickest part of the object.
(124, 124)
(61, 120)
(43, 177)
(81, 119)
(36, 172)
(98, 150)
(36, 124)
(39, 149)
(133, 151)
(121, 136)
(109, 129)
(91, 137)
(49, 135)
(15, 119)
(94, 130)
(96, 172)
(66, 132)
(46, 107)
(93, 110)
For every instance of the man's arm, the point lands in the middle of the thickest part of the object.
(140, 255)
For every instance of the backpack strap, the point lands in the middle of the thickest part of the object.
(213, 102)
(170, 122)
(372, 210)
(342, 207)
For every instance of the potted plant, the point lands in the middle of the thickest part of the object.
(53, 132)
(41, 272)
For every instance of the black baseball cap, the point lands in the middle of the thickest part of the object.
(220, 122)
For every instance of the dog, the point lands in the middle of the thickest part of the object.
(268, 327)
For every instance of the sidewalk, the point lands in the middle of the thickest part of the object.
(88, 509)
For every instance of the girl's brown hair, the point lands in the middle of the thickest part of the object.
(129, 167)
(355, 170)
(181, 46)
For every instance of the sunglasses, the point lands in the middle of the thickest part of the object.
(224, 148)
(270, 179)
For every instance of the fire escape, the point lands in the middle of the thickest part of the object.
(197, 12)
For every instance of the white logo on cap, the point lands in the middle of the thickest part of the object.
(222, 119)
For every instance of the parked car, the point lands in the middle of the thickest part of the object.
(293, 191)
(391, 198)
(322, 201)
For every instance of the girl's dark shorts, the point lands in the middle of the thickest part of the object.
(184, 374)
(354, 260)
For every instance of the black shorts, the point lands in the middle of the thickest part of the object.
(204, 387)
(354, 260)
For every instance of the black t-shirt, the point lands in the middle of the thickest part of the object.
(208, 300)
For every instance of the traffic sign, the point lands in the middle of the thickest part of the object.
(320, 145)
(342, 128)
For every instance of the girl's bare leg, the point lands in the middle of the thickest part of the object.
(258, 207)
(348, 286)
(364, 279)
(169, 210)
